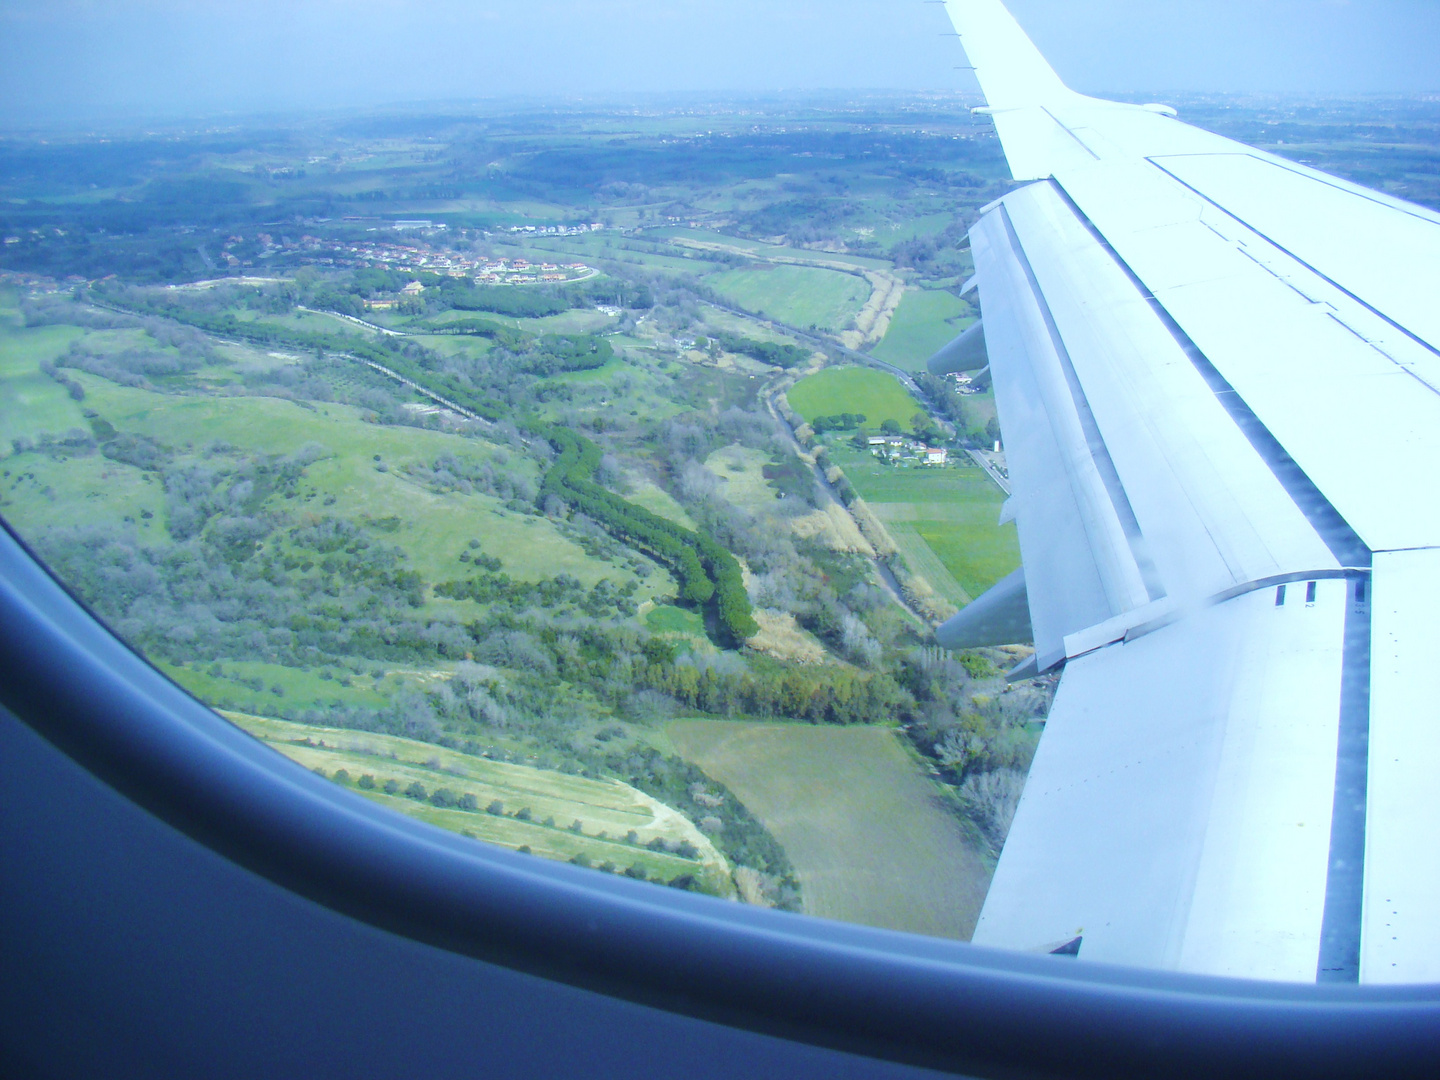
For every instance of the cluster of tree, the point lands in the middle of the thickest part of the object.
(73, 388)
(451, 473)
(706, 569)
(602, 601)
(821, 696)
(946, 254)
(779, 354)
(803, 220)
(501, 299)
(553, 354)
(141, 451)
(838, 422)
(983, 744)
(486, 328)
(135, 366)
(948, 401)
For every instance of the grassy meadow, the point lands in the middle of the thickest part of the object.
(943, 520)
(802, 296)
(925, 321)
(868, 831)
(835, 390)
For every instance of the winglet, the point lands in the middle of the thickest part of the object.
(1012, 73)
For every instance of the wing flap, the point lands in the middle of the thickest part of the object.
(1177, 812)
(1401, 940)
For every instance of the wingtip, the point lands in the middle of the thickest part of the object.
(1012, 71)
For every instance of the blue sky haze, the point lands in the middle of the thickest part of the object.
(81, 58)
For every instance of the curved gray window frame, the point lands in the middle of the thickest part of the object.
(886, 996)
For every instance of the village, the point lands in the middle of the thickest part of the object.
(415, 256)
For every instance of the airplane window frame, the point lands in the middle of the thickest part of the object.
(884, 995)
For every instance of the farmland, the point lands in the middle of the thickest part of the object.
(802, 296)
(870, 834)
(926, 320)
(943, 520)
(876, 395)
(547, 813)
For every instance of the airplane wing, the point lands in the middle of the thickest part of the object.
(1218, 379)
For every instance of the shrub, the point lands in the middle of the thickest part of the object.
(496, 807)
(416, 790)
(341, 776)
(367, 782)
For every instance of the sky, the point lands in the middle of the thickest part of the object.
(78, 59)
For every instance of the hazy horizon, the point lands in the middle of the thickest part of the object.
(152, 60)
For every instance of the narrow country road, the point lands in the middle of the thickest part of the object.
(882, 570)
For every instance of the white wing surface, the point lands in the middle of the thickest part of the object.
(1218, 378)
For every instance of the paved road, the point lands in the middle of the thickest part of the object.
(985, 463)
(887, 577)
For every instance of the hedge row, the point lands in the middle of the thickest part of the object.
(706, 569)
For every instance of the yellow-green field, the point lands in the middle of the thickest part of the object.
(538, 809)
(868, 832)
(801, 296)
(30, 402)
(925, 321)
(943, 520)
(878, 396)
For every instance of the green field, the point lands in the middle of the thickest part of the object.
(538, 809)
(30, 402)
(368, 471)
(926, 320)
(835, 390)
(763, 250)
(801, 296)
(942, 519)
(867, 830)
(669, 619)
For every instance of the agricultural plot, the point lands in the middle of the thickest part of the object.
(801, 296)
(926, 320)
(942, 519)
(869, 833)
(705, 239)
(552, 814)
(876, 395)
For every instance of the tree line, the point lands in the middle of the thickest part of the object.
(707, 571)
